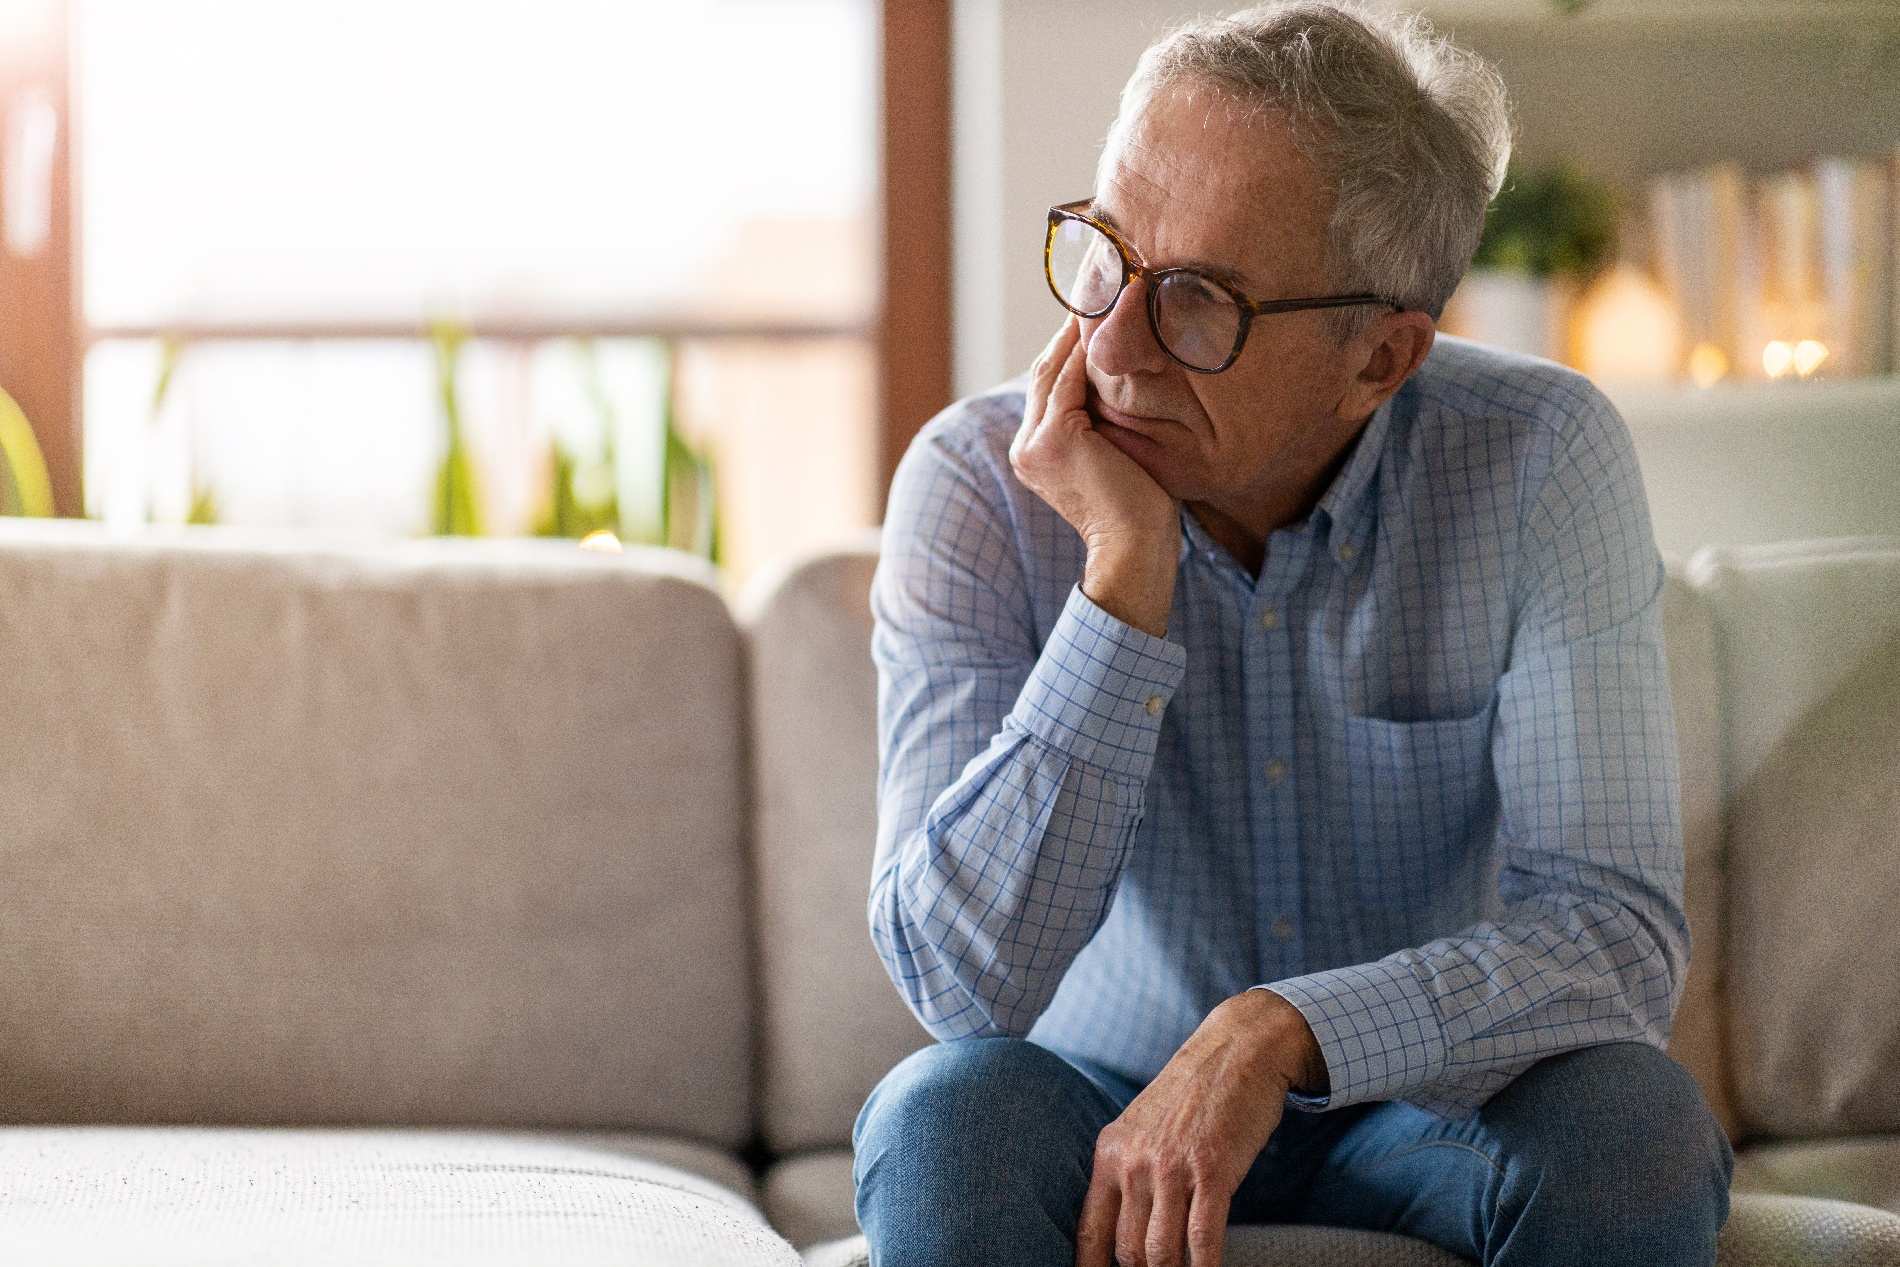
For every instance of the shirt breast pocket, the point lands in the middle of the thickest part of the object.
(1421, 802)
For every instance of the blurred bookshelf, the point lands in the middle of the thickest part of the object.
(1752, 148)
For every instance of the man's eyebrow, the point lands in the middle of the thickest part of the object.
(1223, 272)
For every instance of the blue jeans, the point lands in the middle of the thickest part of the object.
(979, 1151)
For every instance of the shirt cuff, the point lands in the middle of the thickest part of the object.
(1375, 1026)
(1100, 688)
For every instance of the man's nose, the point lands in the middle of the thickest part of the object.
(1123, 342)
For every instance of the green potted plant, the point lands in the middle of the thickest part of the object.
(1546, 235)
(25, 486)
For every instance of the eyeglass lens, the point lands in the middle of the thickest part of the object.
(1195, 319)
(1085, 267)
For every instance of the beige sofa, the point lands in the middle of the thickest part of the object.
(499, 903)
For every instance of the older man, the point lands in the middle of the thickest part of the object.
(1274, 715)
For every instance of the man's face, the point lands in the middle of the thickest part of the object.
(1190, 180)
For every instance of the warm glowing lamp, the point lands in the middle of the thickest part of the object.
(1777, 358)
(1808, 355)
(601, 541)
(1626, 330)
(1708, 365)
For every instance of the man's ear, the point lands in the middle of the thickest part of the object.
(1389, 351)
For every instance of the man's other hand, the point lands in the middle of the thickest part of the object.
(1166, 1169)
(1132, 528)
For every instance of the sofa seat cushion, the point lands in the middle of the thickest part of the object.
(1763, 1231)
(812, 1198)
(1865, 1171)
(1770, 1230)
(157, 1196)
(1248, 1247)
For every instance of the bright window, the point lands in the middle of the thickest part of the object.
(279, 196)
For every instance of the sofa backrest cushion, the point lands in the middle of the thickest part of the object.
(443, 832)
(1808, 637)
(1737, 465)
(1695, 1040)
(831, 1022)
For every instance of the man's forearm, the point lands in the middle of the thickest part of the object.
(983, 895)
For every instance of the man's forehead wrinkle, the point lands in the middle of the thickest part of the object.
(1149, 183)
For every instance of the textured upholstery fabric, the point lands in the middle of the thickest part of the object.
(1809, 640)
(721, 1168)
(1762, 1231)
(1863, 1171)
(832, 1024)
(1696, 1037)
(810, 1198)
(1782, 1231)
(153, 1197)
(1249, 1247)
(438, 833)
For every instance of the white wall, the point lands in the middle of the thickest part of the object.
(1632, 87)
(1036, 83)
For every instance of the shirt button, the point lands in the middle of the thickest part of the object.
(1155, 706)
(1269, 619)
(1283, 928)
(1276, 770)
(1346, 552)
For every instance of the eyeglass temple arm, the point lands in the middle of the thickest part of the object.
(1330, 301)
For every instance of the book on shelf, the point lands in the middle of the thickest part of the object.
(1784, 274)
(1855, 249)
(1698, 227)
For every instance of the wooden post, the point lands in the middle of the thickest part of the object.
(39, 311)
(914, 330)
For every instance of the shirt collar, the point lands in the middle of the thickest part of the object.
(1348, 502)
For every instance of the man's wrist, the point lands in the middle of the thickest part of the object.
(1133, 580)
(1302, 1063)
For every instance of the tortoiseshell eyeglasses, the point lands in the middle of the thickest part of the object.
(1199, 320)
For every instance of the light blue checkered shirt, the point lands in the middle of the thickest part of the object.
(1419, 776)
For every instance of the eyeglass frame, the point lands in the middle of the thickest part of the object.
(1248, 306)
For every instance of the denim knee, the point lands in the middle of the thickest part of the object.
(977, 1150)
(1610, 1155)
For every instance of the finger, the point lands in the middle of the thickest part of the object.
(1062, 341)
(1167, 1224)
(1058, 388)
(1043, 373)
(1206, 1228)
(1069, 391)
(1095, 1233)
(1131, 1225)
(1056, 352)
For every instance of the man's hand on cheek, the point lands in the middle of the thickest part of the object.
(1166, 1169)
(1132, 528)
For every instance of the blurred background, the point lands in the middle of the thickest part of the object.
(693, 273)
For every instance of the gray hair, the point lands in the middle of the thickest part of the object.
(1413, 131)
